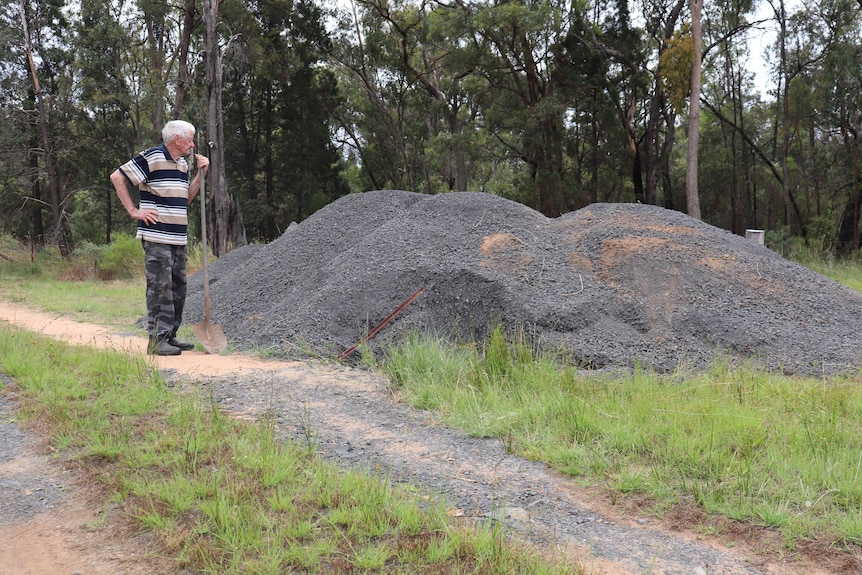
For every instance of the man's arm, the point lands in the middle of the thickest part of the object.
(202, 163)
(146, 216)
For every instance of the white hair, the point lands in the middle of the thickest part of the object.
(177, 128)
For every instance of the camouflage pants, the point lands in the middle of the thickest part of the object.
(166, 287)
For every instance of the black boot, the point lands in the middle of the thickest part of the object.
(183, 345)
(161, 346)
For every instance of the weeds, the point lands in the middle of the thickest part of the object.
(223, 495)
(743, 444)
(101, 283)
(776, 451)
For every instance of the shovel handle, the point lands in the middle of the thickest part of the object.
(204, 245)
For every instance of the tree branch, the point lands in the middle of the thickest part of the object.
(757, 150)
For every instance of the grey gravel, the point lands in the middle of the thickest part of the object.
(615, 285)
(29, 487)
(612, 284)
(353, 421)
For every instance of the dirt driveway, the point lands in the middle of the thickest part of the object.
(351, 418)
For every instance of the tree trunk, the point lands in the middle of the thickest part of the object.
(848, 229)
(109, 223)
(53, 181)
(595, 159)
(655, 152)
(38, 237)
(184, 80)
(228, 231)
(691, 191)
(155, 67)
(651, 144)
(785, 114)
(666, 154)
(627, 117)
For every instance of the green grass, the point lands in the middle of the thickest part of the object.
(77, 288)
(116, 303)
(73, 288)
(756, 447)
(778, 453)
(846, 272)
(225, 496)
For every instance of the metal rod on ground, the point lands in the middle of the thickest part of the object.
(380, 326)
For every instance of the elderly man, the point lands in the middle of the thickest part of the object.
(161, 174)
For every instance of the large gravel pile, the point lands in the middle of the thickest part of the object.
(613, 284)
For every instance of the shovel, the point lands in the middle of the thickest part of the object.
(209, 334)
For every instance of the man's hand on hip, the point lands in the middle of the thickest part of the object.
(146, 216)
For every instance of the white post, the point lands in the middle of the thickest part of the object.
(756, 235)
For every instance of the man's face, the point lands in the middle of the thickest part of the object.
(186, 144)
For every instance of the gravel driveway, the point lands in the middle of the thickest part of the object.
(616, 284)
(351, 418)
(26, 487)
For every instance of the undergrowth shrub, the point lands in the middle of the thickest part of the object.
(121, 259)
(27, 260)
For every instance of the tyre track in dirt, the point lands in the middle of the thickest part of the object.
(350, 417)
(50, 521)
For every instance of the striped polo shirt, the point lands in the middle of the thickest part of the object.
(164, 186)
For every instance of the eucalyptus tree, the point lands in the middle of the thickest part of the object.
(833, 154)
(467, 94)
(374, 120)
(598, 77)
(730, 89)
(102, 128)
(45, 56)
(278, 101)
(21, 204)
(812, 74)
(691, 189)
(437, 62)
(793, 59)
(670, 86)
(521, 107)
(165, 31)
(727, 171)
(227, 231)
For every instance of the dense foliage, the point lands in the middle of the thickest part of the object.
(552, 103)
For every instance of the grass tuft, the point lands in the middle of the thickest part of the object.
(222, 495)
(781, 452)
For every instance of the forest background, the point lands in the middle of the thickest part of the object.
(555, 104)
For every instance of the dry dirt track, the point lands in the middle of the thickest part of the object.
(357, 423)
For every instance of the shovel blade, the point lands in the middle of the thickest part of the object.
(211, 336)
